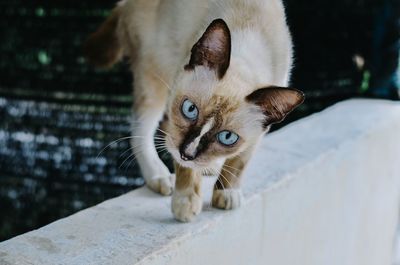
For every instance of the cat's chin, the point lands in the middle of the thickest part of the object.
(188, 164)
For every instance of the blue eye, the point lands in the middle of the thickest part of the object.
(189, 110)
(227, 138)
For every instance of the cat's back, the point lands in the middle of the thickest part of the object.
(179, 20)
(167, 29)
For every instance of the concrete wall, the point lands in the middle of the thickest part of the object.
(323, 190)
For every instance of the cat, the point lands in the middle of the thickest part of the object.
(218, 69)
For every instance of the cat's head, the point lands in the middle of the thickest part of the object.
(212, 114)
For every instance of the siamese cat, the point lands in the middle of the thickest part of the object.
(218, 69)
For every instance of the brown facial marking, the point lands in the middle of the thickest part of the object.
(190, 135)
(205, 142)
(193, 132)
(213, 49)
(276, 102)
(217, 108)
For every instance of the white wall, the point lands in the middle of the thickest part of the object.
(323, 190)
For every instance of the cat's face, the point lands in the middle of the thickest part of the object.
(205, 125)
(208, 119)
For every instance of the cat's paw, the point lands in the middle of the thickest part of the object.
(227, 199)
(186, 206)
(163, 185)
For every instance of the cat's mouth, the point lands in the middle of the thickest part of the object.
(189, 164)
(209, 167)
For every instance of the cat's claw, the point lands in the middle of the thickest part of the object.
(162, 185)
(227, 199)
(186, 207)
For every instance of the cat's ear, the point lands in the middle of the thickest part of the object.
(213, 49)
(276, 102)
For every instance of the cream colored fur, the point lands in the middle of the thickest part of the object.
(158, 36)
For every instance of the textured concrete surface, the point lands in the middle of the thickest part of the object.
(323, 190)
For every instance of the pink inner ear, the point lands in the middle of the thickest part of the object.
(213, 49)
(276, 102)
(288, 100)
(214, 42)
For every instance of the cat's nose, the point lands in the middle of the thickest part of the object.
(186, 157)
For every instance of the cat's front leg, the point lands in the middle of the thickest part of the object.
(156, 174)
(186, 199)
(149, 105)
(227, 193)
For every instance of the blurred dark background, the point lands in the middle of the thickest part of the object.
(57, 113)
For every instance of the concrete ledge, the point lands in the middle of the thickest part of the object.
(323, 190)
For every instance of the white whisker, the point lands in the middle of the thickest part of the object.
(234, 168)
(232, 174)
(117, 141)
(162, 80)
